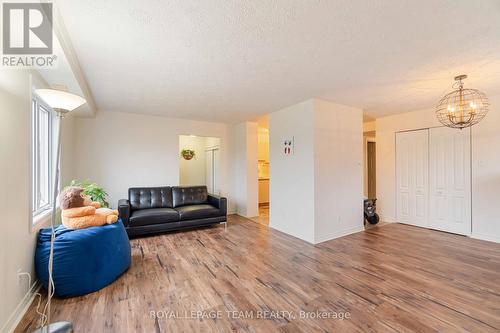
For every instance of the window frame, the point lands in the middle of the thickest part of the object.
(38, 212)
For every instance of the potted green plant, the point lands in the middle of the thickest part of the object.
(187, 154)
(96, 192)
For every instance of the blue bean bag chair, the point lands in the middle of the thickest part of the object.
(85, 260)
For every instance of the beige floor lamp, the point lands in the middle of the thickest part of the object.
(61, 102)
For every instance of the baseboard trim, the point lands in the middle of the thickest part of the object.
(247, 217)
(286, 232)
(338, 234)
(21, 309)
(488, 238)
(387, 219)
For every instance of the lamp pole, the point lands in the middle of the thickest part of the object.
(61, 326)
(61, 102)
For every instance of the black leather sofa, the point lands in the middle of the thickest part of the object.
(151, 210)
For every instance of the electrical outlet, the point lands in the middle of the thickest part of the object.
(19, 276)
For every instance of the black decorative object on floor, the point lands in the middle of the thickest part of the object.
(369, 209)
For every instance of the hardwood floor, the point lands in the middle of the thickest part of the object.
(263, 217)
(394, 278)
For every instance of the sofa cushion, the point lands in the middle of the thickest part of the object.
(153, 216)
(193, 212)
(189, 195)
(150, 197)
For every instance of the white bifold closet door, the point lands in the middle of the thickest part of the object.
(212, 170)
(216, 182)
(412, 177)
(433, 179)
(209, 170)
(450, 180)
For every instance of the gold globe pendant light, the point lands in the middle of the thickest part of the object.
(462, 107)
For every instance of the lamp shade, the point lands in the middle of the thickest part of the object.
(58, 99)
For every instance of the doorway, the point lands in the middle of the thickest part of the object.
(371, 159)
(199, 162)
(263, 173)
(370, 162)
(212, 167)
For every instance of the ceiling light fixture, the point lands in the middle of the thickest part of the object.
(462, 107)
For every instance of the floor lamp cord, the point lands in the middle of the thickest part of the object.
(45, 315)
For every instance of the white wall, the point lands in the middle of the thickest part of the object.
(338, 170)
(17, 242)
(245, 171)
(485, 166)
(317, 193)
(120, 150)
(67, 150)
(291, 182)
(193, 171)
(212, 142)
(369, 126)
(486, 175)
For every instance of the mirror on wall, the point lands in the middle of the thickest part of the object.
(199, 162)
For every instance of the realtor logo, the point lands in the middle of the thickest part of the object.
(27, 28)
(27, 36)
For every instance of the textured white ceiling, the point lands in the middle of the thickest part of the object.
(230, 61)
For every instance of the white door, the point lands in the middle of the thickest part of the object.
(216, 166)
(212, 170)
(209, 170)
(412, 169)
(450, 187)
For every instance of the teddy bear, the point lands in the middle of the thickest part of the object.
(78, 211)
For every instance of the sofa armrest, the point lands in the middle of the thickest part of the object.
(218, 202)
(124, 210)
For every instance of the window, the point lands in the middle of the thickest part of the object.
(41, 165)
